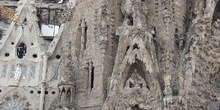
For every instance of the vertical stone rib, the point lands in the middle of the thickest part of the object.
(179, 9)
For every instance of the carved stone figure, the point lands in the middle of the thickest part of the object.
(135, 81)
(135, 93)
(167, 82)
(66, 15)
(17, 73)
(133, 13)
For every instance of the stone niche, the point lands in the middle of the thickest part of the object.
(135, 94)
(136, 77)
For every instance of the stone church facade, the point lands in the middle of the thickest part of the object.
(110, 55)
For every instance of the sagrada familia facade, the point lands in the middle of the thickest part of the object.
(110, 55)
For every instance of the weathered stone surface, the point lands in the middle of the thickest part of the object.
(111, 55)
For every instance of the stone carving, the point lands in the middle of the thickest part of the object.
(66, 15)
(135, 94)
(17, 73)
(134, 13)
(103, 32)
(66, 96)
(15, 101)
(83, 36)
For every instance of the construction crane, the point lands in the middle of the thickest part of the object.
(8, 13)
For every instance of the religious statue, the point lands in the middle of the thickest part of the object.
(17, 73)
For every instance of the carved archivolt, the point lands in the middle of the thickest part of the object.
(134, 85)
(15, 101)
(135, 94)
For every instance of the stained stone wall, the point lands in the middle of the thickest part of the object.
(112, 55)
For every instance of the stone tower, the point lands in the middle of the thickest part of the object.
(110, 55)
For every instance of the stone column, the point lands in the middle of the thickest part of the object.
(43, 81)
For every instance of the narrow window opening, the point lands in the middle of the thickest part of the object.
(127, 48)
(131, 85)
(63, 90)
(12, 71)
(216, 14)
(131, 21)
(176, 37)
(141, 85)
(92, 77)
(56, 72)
(154, 33)
(135, 46)
(136, 107)
(25, 22)
(85, 37)
(33, 72)
(68, 91)
(24, 72)
(21, 50)
(205, 5)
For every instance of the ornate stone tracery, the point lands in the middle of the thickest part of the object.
(15, 101)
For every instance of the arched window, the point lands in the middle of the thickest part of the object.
(4, 71)
(21, 50)
(33, 72)
(216, 14)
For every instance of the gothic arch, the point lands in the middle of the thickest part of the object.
(138, 66)
(137, 56)
(216, 14)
